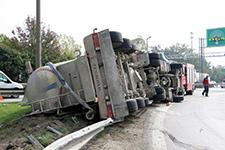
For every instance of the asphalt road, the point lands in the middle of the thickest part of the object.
(198, 123)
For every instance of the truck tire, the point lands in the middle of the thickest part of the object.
(116, 38)
(178, 98)
(133, 49)
(154, 56)
(176, 66)
(189, 92)
(132, 105)
(165, 81)
(159, 89)
(159, 97)
(127, 43)
(155, 62)
(140, 102)
(126, 46)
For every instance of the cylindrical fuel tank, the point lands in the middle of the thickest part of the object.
(43, 90)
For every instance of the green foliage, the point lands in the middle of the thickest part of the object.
(217, 73)
(26, 38)
(12, 62)
(15, 51)
(47, 138)
(181, 53)
(69, 47)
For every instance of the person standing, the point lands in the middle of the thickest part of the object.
(206, 86)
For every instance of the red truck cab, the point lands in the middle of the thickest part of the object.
(188, 78)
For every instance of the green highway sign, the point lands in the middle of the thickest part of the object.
(216, 37)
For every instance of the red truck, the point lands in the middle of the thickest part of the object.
(188, 78)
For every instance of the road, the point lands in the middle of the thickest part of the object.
(197, 123)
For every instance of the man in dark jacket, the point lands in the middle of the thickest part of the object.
(206, 86)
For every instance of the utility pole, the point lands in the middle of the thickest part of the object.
(201, 56)
(38, 34)
(147, 42)
(191, 40)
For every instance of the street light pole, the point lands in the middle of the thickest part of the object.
(38, 34)
(147, 42)
(191, 40)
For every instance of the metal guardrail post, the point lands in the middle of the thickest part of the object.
(79, 138)
(11, 91)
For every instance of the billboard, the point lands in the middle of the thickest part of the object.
(216, 37)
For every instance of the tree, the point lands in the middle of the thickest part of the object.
(52, 51)
(217, 73)
(181, 53)
(69, 47)
(27, 41)
(11, 62)
(15, 51)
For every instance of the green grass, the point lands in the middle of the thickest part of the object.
(12, 111)
(46, 138)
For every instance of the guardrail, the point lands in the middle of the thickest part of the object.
(11, 92)
(79, 138)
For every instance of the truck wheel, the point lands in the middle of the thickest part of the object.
(155, 62)
(140, 102)
(178, 98)
(154, 56)
(189, 92)
(125, 47)
(132, 105)
(165, 81)
(116, 38)
(134, 47)
(159, 97)
(176, 66)
(159, 89)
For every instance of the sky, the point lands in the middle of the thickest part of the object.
(167, 21)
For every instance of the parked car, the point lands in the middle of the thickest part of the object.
(7, 83)
(223, 84)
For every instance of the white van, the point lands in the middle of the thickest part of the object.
(7, 83)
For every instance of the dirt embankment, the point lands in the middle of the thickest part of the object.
(14, 135)
(134, 133)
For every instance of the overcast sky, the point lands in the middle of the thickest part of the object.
(167, 21)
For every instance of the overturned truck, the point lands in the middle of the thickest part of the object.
(112, 79)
